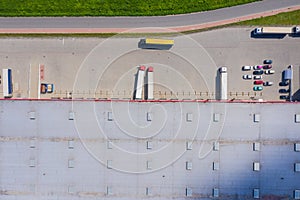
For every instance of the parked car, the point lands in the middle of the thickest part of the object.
(50, 88)
(268, 61)
(257, 77)
(258, 72)
(247, 77)
(284, 83)
(259, 82)
(284, 91)
(269, 71)
(257, 67)
(43, 88)
(247, 68)
(257, 88)
(268, 83)
(283, 97)
(267, 66)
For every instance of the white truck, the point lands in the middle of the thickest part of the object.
(297, 29)
(223, 83)
(140, 83)
(150, 84)
(277, 30)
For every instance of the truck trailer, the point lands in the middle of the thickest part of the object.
(140, 83)
(150, 95)
(277, 30)
(223, 83)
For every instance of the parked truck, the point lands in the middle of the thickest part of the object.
(149, 83)
(223, 83)
(297, 29)
(139, 83)
(7, 83)
(277, 30)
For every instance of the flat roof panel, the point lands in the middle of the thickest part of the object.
(52, 153)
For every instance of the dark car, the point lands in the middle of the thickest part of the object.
(267, 66)
(258, 72)
(284, 83)
(268, 61)
(284, 91)
(283, 97)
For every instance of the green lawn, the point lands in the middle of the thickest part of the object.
(110, 7)
(288, 18)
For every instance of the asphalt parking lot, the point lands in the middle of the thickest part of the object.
(239, 49)
(106, 68)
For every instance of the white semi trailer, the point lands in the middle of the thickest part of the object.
(277, 30)
(150, 95)
(140, 83)
(223, 83)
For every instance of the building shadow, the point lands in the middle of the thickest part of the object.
(296, 95)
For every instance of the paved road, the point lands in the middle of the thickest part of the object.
(113, 23)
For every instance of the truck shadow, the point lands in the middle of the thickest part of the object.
(142, 45)
(267, 36)
(146, 85)
(218, 86)
(135, 84)
(295, 35)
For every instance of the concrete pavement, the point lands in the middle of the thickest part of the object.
(105, 68)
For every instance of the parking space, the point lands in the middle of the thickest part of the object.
(239, 50)
(258, 74)
(186, 71)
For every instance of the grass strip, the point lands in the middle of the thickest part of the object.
(283, 19)
(17, 8)
(286, 18)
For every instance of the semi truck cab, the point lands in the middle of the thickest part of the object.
(258, 31)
